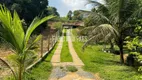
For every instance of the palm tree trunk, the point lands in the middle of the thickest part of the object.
(21, 69)
(120, 24)
(121, 55)
(111, 46)
(20, 72)
(121, 50)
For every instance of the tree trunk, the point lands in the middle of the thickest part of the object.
(20, 72)
(121, 51)
(111, 45)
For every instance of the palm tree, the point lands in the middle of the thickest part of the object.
(118, 14)
(12, 32)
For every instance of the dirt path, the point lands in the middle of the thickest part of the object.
(56, 61)
(60, 72)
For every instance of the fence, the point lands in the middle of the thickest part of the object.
(46, 43)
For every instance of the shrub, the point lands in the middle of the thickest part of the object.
(58, 26)
(72, 68)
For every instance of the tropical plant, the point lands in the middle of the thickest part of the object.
(77, 15)
(135, 58)
(119, 14)
(12, 32)
(134, 45)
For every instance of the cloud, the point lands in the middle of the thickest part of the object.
(101, 1)
(75, 4)
(78, 4)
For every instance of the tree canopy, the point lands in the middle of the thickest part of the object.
(52, 11)
(69, 15)
(27, 9)
(77, 15)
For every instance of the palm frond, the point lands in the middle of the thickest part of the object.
(30, 58)
(11, 27)
(95, 3)
(103, 32)
(34, 42)
(5, 63)
(85, 11)
(35, 23)
(87, 29)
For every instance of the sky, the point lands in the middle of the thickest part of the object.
(63, 6)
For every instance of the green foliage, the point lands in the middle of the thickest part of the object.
(58, 26)
(89, 21)
(77, 15)
(52, 11)
(69, 15)
(72, 68)
(12, 32)
(104, 64)
(108, 33)
(28, 10)
(120, 14)
(133, 44)
(42, 70)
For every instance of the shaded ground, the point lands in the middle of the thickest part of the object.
(4, 52)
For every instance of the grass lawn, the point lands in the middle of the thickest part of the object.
(65, 54)
(105, 64)
(42, 70)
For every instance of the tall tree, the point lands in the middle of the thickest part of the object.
(27, 9)
(69, 15)
(77, 15)
(118, 14)
(52, 11)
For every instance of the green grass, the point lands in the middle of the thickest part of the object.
(106, 64)
(42, 70)
(65, 54)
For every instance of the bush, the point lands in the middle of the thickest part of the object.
(72, 68)
(58, 26)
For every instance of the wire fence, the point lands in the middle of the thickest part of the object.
(46, 44)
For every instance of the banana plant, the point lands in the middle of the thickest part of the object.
(11, 31)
